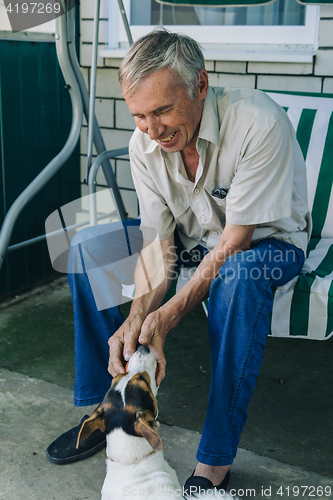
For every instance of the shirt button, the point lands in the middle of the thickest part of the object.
(215, 233)
(203, 218)
(197, 190)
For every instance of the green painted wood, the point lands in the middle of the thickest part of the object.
(35, 120)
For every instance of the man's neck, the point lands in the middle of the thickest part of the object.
(190, 158)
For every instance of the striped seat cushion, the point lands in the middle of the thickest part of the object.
(304, 307)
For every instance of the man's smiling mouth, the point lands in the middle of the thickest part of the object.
(169, 139)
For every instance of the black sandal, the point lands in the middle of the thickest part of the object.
(195, 484)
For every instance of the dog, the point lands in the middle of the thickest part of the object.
(135, 463)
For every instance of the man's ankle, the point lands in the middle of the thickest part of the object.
(215, 474)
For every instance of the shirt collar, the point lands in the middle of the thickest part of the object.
(151, 147)
(209, 126)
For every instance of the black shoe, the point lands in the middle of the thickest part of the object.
(63, 449)
(195, 484)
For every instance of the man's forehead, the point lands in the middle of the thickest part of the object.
(164, 76)
(152, 100)
(157, 90)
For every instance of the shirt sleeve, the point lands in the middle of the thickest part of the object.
(156, 217)
(261, 190)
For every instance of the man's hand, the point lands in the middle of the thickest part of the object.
(151, 331)
(124, 343)
(146, 324)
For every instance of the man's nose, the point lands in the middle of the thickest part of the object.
(154, 128)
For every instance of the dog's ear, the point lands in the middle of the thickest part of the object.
(147, 427)
(95, 421)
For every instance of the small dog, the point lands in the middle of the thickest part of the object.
(135, 463)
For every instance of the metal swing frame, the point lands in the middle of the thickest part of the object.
(82, 104)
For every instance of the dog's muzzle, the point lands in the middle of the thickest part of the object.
(143, 349)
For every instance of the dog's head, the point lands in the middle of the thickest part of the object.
(130, 404)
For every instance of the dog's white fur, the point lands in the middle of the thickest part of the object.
(134, 468)
(145, 476)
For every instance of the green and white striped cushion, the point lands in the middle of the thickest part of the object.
(304, 307)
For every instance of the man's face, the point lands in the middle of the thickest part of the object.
(163, 111)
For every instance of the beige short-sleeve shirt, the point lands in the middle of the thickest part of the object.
(246, 146)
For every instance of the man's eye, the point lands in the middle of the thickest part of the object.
(163, 111)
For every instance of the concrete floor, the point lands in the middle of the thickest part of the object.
(34, 412)
(289, 422)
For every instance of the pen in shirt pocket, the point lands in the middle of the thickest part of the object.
(220, 192)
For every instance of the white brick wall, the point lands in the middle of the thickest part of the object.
(324, 63)
(107, 83)
(326, 11)
(124, 119)
(87, 9)
(117, 124)
(231, 80)
(112, 63)
(230, 67)
(291, 83)
(104, 110)
(210, 65)
(124, 176)
(280, 68)
(325, 36)
(86, 54)
(328, 86)
(113, 138)
(87, 30)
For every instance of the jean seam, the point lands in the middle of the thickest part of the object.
(239, 387)
(89, 399)
(218, 456)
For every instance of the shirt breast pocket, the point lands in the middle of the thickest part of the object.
(221, 204)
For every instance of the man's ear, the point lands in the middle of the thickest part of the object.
(147, 427)
(203, 85)
(95, 421)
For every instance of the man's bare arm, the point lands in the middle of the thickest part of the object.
(154, 273)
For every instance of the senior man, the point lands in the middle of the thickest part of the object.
(219, 174)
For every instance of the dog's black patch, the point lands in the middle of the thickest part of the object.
(122, 419)
(138, 397)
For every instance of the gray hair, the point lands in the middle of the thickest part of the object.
(161, 49)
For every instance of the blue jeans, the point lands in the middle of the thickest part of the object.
(240, 303)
